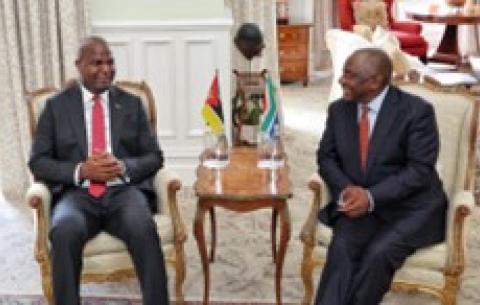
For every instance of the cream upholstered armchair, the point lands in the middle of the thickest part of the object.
(105, 258)
(436, 270)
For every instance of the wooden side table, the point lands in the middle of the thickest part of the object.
(242, 187)
(448, 50)
(293, 52)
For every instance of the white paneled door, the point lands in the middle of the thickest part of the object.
(178, 60)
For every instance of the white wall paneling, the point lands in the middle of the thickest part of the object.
(178, 60)
(300, 11)
(122, 47)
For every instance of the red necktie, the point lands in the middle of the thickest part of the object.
(96, 188)
(363, 128)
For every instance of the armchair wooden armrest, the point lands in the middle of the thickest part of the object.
(167, 184)
(39, 191)
(460, 208)
(307, 234)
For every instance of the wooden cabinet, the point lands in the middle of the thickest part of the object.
(293, 52)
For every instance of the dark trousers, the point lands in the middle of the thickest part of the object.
(123, 212)
(362, 258)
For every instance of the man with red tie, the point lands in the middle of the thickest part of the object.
(95, 150)
(377, 156)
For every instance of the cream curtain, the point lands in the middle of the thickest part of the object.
(469, 40)
(38, 44)
(325, 15)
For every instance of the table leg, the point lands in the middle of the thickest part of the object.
(284, 237)
(198, 232)
(274, 234)
(305, 82)
(447, 51)
(213, 230)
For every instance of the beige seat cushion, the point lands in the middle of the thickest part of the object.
(105, 243)
(371, 13)
(433, 257)
(111, 262)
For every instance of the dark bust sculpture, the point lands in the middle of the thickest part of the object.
(249, 40)
(246, 104)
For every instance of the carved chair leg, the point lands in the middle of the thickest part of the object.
(449, 300)
(179, 273)
(452, 284)
(47, 281)
(307, 274)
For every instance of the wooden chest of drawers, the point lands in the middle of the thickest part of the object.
(293, 52)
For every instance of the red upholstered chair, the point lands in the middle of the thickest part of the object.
(407, 32)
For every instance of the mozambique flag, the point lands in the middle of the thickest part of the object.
(212, 112)
(269, 124)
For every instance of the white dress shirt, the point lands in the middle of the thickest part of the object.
(373, 109)
(87, 98)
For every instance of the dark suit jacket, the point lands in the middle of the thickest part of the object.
(400, 174)
(60, 141)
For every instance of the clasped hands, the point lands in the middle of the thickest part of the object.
(101, 167)
(354, 201)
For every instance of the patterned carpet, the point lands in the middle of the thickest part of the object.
(39, 300)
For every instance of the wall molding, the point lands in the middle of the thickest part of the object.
(185, 24)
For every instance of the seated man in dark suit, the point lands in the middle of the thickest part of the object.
(95, 150)
(377, 156)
